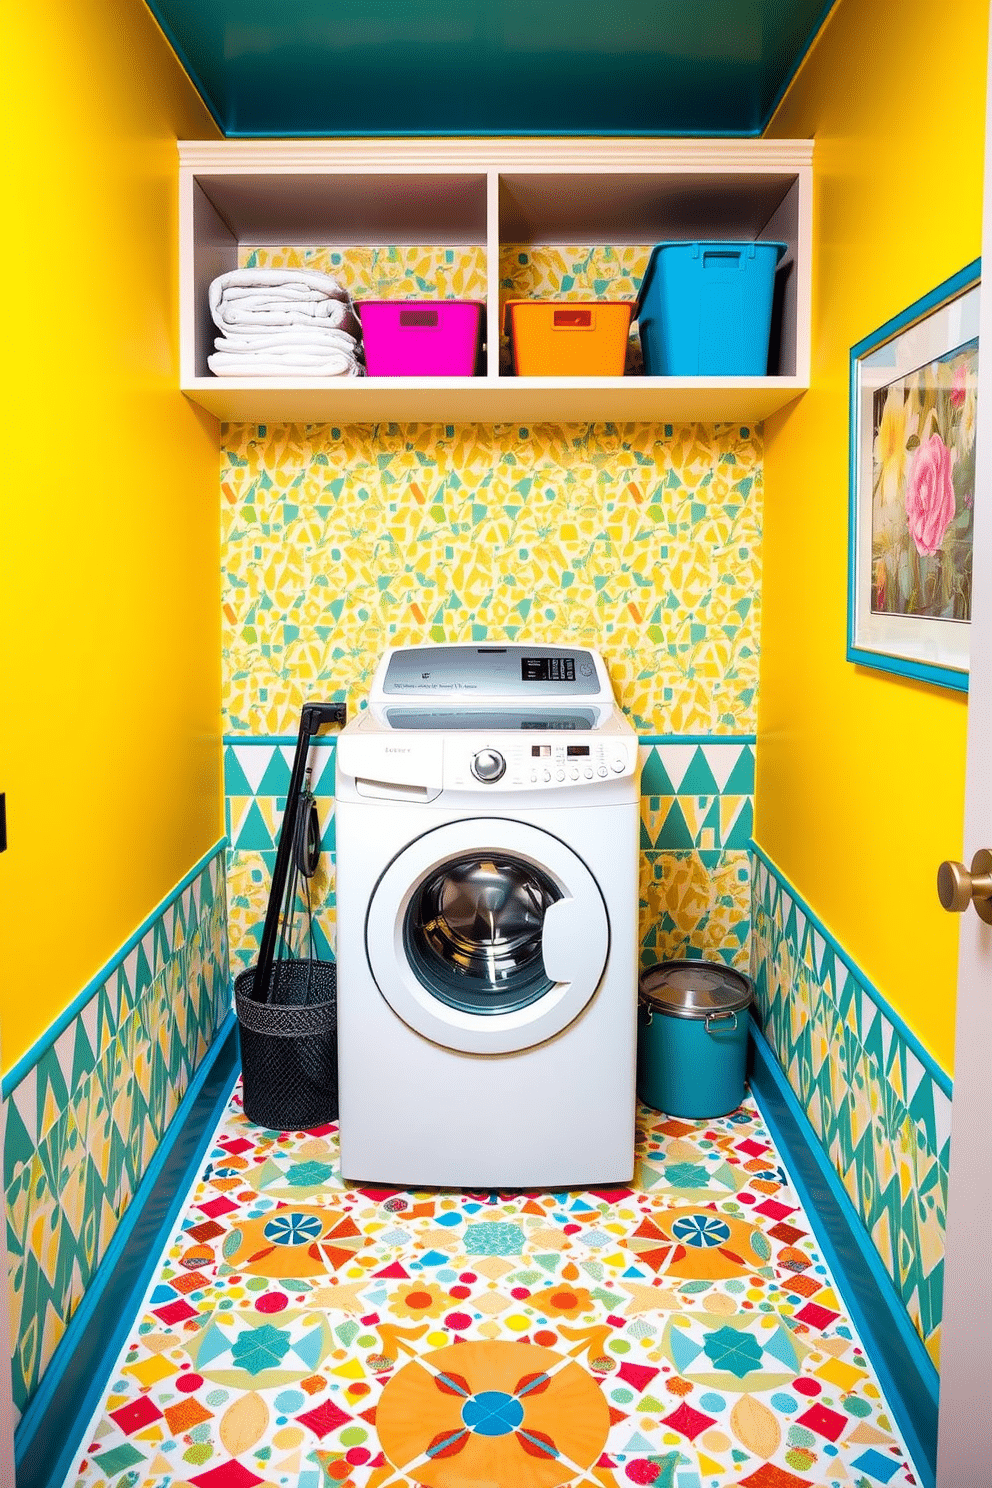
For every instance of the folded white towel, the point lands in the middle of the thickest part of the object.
(306, 338)
(260, 364)
(280, 297)
(274, 314)
(290, 280)
(277, 293)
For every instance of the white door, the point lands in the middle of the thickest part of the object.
(487, 935)
(963, 1453)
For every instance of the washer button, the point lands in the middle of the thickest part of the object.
(547, 775)
(559, 774)
(619, 766)
(588, 772)
(603, 770)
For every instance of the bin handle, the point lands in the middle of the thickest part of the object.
(574, 320)
(727, 255)
(719, 1018)
(419, 317)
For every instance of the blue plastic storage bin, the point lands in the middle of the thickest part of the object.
(705, 309)
(692, 1038)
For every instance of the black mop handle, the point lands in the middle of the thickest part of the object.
(313, 717)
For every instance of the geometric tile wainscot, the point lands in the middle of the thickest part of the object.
(878, 1103)
(696, 822)
(87, 1107)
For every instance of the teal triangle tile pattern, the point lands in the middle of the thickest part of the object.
(235, 780)
(161, 950)
(20, 1144)
(895, 1066)
(322, 760)
(882, 1117)
(51, 1091)
(742, 829)
(871, 1035)
(254, 835)
(698, 778)
(675, 833)
(741, 779)
(921, 1110)
(677, 759)
(143, 968)
(275, 781)
(254, 761)
(654, 776)
(713, 824)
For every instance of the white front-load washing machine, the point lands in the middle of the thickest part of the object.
(486, 839)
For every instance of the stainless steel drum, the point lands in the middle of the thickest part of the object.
(473, 932)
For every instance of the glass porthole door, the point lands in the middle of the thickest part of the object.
(487, 935)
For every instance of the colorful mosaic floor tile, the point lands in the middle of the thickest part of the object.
(683, 1332)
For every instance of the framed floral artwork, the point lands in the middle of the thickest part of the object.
(914, 418)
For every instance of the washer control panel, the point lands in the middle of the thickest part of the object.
(540, 764)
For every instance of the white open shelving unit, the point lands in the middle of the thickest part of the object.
(484, 193)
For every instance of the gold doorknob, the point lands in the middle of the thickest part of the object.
(957, 888)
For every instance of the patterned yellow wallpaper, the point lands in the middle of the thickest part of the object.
(641, 539)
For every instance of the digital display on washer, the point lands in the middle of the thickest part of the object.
(452, 718)
(547, 669)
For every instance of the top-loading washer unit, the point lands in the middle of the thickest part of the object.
(486, 842)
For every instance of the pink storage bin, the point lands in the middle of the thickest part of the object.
(422, 338)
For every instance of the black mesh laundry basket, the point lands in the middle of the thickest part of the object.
(287, 1003)
(289, 1072)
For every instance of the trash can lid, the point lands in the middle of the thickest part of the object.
(694, 989)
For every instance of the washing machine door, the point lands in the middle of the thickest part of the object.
(487, 935)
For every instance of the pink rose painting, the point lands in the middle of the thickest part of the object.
(930, 495)
(923, 489)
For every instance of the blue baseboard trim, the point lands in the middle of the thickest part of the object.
(50, 1432)
(905, 1370)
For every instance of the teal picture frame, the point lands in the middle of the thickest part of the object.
(913, 420)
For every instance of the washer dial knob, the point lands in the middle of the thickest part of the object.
(488, 766)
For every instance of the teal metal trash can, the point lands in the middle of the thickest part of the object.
(692, 1038)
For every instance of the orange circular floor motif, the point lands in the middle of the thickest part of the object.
(698, 1243)
(507, 1414)
(293, 1240)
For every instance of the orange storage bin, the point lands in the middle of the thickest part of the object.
(568, 338)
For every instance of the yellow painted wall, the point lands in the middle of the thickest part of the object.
(860, 775)
(110, 755)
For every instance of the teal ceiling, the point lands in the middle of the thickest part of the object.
(273, 68)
